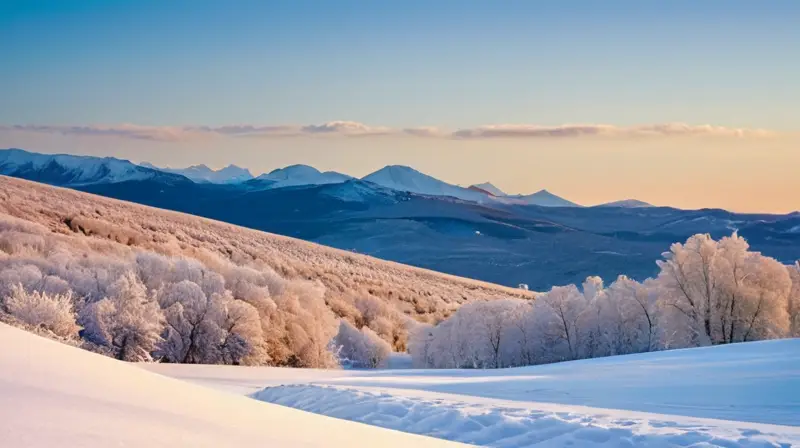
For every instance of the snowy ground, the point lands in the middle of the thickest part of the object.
(741, 395)
(745, 395)
(53, 395)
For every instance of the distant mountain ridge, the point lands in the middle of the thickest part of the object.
(202, 173)
(70, 170)
(503, 239)
(626, 203)
(295, 175)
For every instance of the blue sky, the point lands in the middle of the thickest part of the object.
(404, 63)
(445, 64)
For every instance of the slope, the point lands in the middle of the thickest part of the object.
(201, 173)
(403, 178)
(55, 395)
(413, 291)
(735, 395)
(300, 175)
(70, 170)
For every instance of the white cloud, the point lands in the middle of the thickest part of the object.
(356, 129)
(605, 130)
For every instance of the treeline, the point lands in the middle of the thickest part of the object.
(134, 304)
(707, 292)
(137, 305)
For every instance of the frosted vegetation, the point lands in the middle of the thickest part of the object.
(142, 284)
(139, 284)
(707, 293)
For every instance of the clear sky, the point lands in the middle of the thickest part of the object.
(467, 91)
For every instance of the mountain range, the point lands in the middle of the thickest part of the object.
(400, 214)
(70, 170)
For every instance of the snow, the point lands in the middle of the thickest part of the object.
(84, 169)
(736, 395)
(201, 173)
(403, 178)
(543, 198)
(627, 203)
(56, 395)
(295, 175)
(487, 186)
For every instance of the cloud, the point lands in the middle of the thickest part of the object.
(605, 130)
(356, 129)
(131, 131)
(346, 128)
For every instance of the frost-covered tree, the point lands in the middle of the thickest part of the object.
(362, 348)
(243, 340)
(632, 316)
(127, 321)
(720, 292)
(192, 328)
(794, 301)
(419, 345)
(562, 310)
(51, 312)
(308, 324)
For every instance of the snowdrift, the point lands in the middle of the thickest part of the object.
(739, 395)
(56, 395)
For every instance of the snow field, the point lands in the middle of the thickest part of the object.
(511, 424)
(739, 395)
(54, 395)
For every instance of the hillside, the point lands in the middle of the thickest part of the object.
(507, 240)
(55, 395)
(82, 244)
(740, 395)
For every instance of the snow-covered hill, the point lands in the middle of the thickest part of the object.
(231, 174)
(403, 178)
(54, 395)
(491, 189)
(543, 198)
(740, 395)
(301, 175)
(626, 203)
(69, 170)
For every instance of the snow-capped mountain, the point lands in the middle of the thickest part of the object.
(70, 170)
(231, 174)
(295, 175)
(542, 198)
(403, 178)
(627, 203)
(489, 188)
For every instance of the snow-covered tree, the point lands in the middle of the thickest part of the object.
(52, 312)
(192, 329)
(794, 301)
(128, 321)
(720, 292)
(362, 348)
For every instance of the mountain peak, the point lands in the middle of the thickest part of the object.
(627, 203)
(299, 174)
(544, 198)
(490, 188)
(404, 178)
(202, 173)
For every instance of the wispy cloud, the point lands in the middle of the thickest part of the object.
(131, 131)
(356, 129)
(605, 130)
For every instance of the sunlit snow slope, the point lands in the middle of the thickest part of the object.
(728, 396)
(53, 395)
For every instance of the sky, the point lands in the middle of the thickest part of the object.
(683, 103)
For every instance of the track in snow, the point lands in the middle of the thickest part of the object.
(513, 424)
